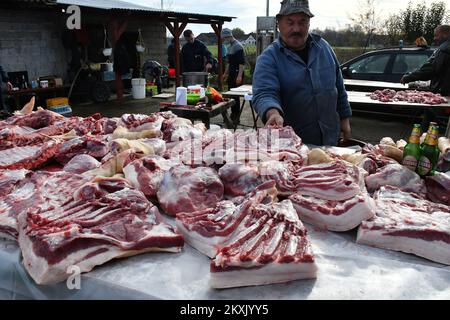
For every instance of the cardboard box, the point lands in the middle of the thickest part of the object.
(58, 82)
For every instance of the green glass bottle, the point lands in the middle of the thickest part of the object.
(412, 151)
(430, 154)
(432, 124)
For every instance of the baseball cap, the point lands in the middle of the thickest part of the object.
(226, 33)
(294, 6)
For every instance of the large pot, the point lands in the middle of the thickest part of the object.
(194, 78)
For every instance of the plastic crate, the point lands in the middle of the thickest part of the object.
(65, 110)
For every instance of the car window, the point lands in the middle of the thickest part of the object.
(405, 63)
(372, 64)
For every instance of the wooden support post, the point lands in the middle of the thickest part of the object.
(218, 30)
(176, 30)
(118, 25)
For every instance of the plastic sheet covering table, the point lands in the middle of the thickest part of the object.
(346, 271)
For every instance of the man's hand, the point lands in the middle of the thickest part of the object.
(9, 86)
(239, 81)
(208, 67)
(403, 80)
(274, 118)
(346, 129)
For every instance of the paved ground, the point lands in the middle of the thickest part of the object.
(366, 128)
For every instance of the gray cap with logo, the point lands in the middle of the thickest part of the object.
(294, 6)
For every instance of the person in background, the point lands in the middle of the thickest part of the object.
(195, 56)
(298, 81)
(224, 57)
(421, 42)
(9, 86)
(436, 69)
(234, 73)
(171, 54)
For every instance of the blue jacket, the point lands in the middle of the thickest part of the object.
(311, 97)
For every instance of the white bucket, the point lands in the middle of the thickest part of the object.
(181, 96)
(138, 88)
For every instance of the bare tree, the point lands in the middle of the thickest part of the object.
(366, 17)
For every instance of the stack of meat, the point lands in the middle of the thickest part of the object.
(252, 243)
(82, 191)
(411, 96)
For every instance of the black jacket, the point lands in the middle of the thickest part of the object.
(436, 69)
(193, 56)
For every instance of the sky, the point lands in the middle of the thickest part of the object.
(328, 13)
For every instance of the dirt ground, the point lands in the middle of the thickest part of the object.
(368, 128)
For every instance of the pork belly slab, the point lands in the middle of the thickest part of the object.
(409, 223)
(256, 242)
(339, 216)
(97, 225)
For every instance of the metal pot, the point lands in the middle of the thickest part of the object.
(194, 78)
(106, 66)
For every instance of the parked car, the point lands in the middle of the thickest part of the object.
(387, 65)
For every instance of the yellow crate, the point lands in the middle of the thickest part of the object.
(54, 102)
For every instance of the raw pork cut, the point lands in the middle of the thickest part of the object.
(239, 179)
(337, 216)
(396, 175)
(81, 163)
(207, 230)
(30, 157)
(40, 191)
(9, 179)
(255, 243)
(438, 188)
(337, 181)
(186, 189)
(96, 147)
(147, 174)
(89, 232)
(409, 223)
(411, 96)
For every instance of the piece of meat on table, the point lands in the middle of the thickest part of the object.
(40, 191)
(95, 146)
(29, 157)
(146, 174)
(81, 163)
(337, 216)
(87, 233)
(9, 179)
(207, 230)
(239, 179)
(438, 188)
(409, 223)
(336, 181)
(186, 189)
(270, 246)
(396, 175)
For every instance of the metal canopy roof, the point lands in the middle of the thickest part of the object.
(132, 6)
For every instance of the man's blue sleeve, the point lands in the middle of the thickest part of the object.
(266, 86)
(207, 54)
(343, 106)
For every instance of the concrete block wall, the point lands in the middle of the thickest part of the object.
(32, 41)
(154, 35)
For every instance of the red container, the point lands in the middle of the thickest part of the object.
(172, 73)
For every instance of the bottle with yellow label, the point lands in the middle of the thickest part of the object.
(430, 154)
(412, 151)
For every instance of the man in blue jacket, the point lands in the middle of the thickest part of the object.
(298, 82)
